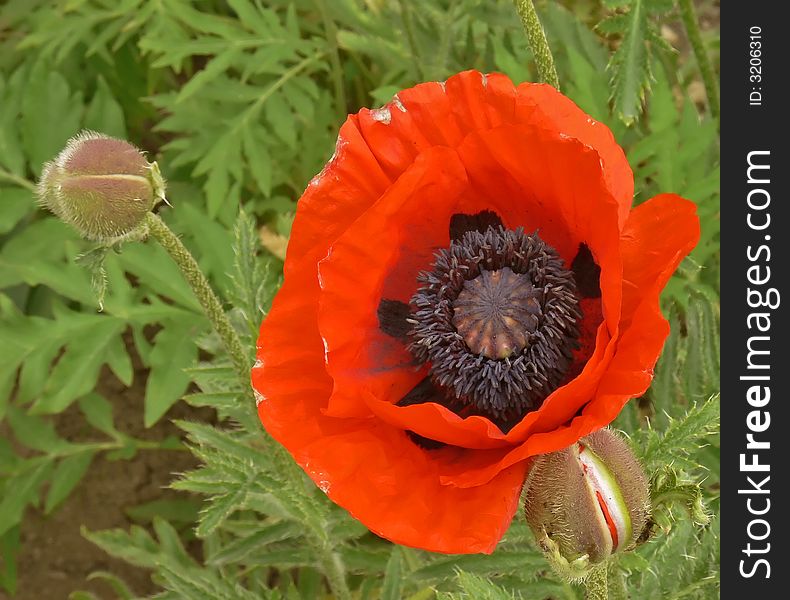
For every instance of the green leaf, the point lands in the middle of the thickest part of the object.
(265, 534)
(105, 114)
(66, 476)
(21, 489)
(9, 551)
(98, 412)
(630, 66)
(117, 584)
(172, 353)
(15, 204)
(682, 435)
(11, 97)
(119, 361)
(180, 511)
(51, 114)
(212, 240)
(258, 159)
(160, 275)
(499, 562)
(75, 373)
(392, 588)
(474, 587)
(36, 432)
(136, 547)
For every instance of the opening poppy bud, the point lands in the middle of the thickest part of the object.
(586, 502)
(101, 186)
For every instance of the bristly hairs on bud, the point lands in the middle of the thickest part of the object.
(586, 503)
(102, 186)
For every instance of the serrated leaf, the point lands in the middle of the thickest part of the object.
(220, 507)
(630, 66)
(239, 549)
(682, 435)
(136, 547)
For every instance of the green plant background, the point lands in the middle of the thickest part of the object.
(240, 103)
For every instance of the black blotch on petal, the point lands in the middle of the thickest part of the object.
(425, 391)
(586, 273)
(424, 442)
(392, 316)
(460, 223)
(421, 393)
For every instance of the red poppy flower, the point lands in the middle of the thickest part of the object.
(466, 286)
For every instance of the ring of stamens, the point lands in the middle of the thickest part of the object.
(496, 318)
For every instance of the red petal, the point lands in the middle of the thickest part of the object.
(349, 183)
(443, 114)
(542, 104)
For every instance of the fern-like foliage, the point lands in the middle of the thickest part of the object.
(635, 24)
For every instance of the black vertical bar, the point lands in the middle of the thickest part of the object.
(755, 261)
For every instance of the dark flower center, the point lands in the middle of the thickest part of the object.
(496, 318)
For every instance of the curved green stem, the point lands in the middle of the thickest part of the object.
(537, 41)
(16, 179)
(203, 292)
(690, 22)
(596, 586)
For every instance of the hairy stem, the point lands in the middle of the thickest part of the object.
(203, 292)
(690, 22)
(537, 41)
(596, 586)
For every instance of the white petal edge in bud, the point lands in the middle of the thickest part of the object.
(603, 484)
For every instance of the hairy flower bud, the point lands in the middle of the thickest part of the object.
(101, 185)
(586, 502)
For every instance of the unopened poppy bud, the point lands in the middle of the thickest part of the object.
(101, 185)
(586, 502)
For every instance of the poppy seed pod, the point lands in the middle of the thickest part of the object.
(101, 186)
(586, 502)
